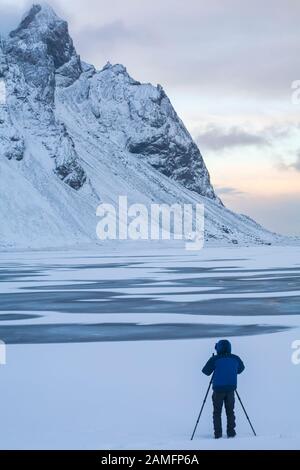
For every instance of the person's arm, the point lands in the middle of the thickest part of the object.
(209, 366)
(241, 366)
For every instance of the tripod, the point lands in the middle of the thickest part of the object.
(204, 401)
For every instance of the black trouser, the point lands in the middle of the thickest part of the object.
(228, 399)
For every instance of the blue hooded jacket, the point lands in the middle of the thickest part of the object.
(225, 366)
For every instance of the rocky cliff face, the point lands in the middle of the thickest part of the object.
(39, 57)
(150, 126)
(71, 136)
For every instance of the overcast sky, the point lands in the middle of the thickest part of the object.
(228, 67)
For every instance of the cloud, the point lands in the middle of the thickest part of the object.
(277, 213)
(282, 165)
(228, 190)
(217, 138)
(296, 164)
(110, 37)
(112, 32)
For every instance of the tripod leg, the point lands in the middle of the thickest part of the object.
(199, 416)
(239, 398)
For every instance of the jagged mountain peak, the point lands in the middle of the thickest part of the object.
(42, 45)
(38, 16)
(118, 72)
(42, 27)
(117, 68)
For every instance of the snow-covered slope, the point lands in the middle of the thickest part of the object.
(71, 136)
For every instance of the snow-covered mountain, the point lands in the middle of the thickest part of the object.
(72, 136)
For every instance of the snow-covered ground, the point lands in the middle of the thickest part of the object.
(144, 395)
(147, 394)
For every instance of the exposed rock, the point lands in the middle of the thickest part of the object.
(39, 55)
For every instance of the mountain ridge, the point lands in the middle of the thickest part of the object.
(72, 136)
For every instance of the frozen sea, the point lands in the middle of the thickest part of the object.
(104, 348)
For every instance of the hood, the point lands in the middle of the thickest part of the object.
(223, 346)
